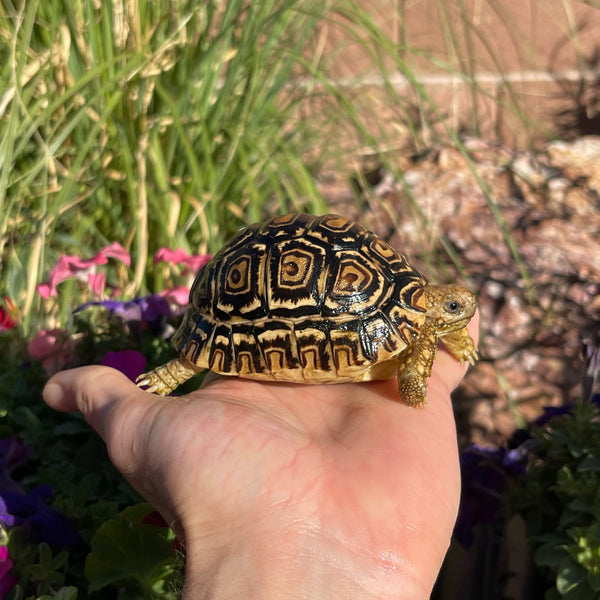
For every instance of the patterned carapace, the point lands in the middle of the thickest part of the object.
(305, 299)
(299, 292)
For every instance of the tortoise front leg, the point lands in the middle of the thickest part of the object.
(164, 379)
(461, 346)
(414, 368)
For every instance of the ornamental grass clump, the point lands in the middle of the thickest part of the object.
(154, 124)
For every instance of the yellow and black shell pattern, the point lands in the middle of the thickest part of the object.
(306, 299)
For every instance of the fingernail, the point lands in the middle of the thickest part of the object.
(53, 395)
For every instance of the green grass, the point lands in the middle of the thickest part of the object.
(172, 123)
(166, 127)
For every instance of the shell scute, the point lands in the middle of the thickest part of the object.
(295, 284)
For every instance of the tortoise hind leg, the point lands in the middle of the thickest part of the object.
(164, 379)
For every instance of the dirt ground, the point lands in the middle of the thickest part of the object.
(529, 246)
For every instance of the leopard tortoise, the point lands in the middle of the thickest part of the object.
(309, 299)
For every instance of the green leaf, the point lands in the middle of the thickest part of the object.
(65, 593)
(550, 555)
(593, 581)
(125, 549)
(73, 426)
(570, 575)
(590, 463)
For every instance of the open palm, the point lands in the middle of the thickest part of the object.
(284, 490)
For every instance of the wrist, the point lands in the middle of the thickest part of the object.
(290, 569)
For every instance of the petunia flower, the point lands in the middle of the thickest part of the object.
(484, 475)
(178, 296)
(69, 266)
(30, 510)
(7, 579)
(5, 517)
(151, 312)
(13, 453)
(130, 362)
(192, 263)
(40, 521)
(53, 348)
(97, 283)
(8, 315)
(549, 412)
(146, 308)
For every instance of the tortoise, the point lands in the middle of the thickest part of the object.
(309, 299)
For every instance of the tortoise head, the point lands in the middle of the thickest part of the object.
(449, 307)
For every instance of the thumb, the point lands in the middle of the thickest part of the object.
(121, 413)
(101, 394)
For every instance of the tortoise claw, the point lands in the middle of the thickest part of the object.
(164, 379)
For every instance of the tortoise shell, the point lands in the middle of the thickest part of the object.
(306, 299)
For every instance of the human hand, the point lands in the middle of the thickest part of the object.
(284, 490)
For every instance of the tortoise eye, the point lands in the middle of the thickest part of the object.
(452, 306)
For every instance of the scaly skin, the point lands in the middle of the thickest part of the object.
(164, 379)
(449, 309)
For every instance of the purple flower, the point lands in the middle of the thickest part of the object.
(484, 473)
(147, 308)
(40, 521)
(30, 510)
(549, 412)
(13, 454)
(130, 362)
(5, 517)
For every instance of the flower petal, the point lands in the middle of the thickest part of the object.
(53, 348)
(8, 315)
(115, 250)
(179, 295)
(170, 256)
(72, 265)
(97, 283)
(147, 308)
(191, 262)
(130, 362)
(196, 261)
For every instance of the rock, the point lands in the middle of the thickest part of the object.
(532, 252)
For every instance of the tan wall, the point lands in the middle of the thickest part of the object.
(536, 63)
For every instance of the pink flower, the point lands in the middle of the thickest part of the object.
(97, 283)
(7, 579)
(179, 295)
(73, 266)
(53, 348)
(191, 263)
(8, 315)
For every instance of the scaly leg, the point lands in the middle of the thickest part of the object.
(414, 368)
(164, 379)
(461, 346)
